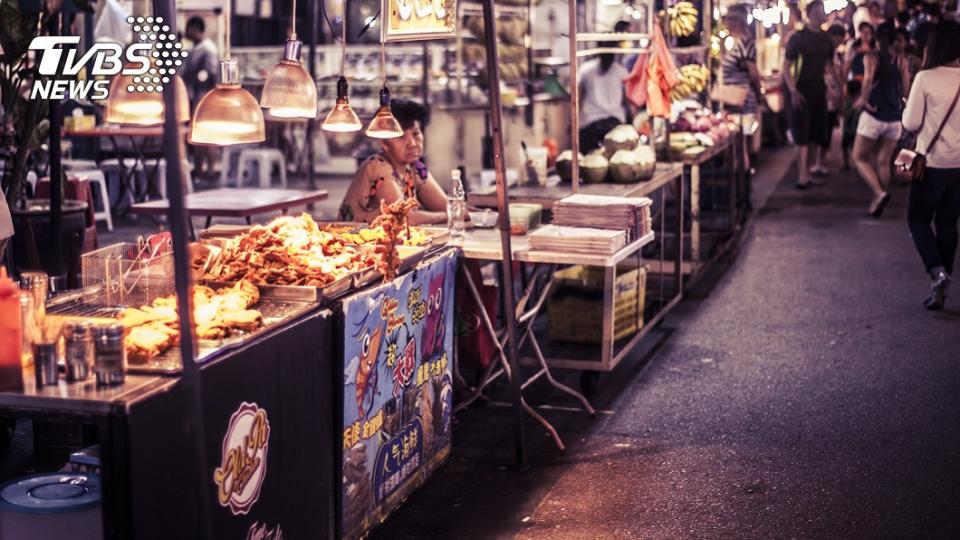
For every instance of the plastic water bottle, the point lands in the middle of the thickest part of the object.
(456, 206)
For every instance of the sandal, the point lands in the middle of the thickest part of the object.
(878, 205)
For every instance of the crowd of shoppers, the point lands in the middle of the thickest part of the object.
(898, 76)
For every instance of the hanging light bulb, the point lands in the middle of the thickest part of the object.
(341, 118)
(384, 125)
(131, 102)
(228, 114)
(289, 91)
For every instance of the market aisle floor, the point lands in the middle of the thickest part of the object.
(806, 395)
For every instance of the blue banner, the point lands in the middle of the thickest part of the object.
(397, 390)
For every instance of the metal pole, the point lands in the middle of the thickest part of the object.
(574, 100)
(173, 144)
(56, 168)
(509, 302)
(312, 123)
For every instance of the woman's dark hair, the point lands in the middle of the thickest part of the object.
(407, 112)
(943, 46)
(873, 41)
(884, 38)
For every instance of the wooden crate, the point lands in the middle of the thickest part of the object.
(575, 308)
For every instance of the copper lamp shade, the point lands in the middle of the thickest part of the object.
(143, 108)
(290, 91)
(342, 119)
(384, 125)
(227, 114)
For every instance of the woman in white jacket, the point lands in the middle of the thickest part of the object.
(936, 198)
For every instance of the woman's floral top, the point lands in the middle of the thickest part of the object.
(362, 202)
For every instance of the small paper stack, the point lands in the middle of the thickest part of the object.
(630, 214)
(577, 240)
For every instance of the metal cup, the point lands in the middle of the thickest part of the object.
(110, 362)
(45, 364)
(78, 347)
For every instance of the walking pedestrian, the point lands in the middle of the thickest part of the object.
(834, 102)
(931, 109)
(886, 81)
(808, 55)
(853, 74)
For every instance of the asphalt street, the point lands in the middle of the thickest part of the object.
(802, 393)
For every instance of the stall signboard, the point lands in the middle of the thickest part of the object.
(410, 20)
(397, 393)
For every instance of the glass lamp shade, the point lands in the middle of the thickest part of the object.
(227, 114)
(384, 125)
(290, 91)
(142, 108)
(342, 119)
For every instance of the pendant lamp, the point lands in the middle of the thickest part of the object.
(289, 91)
(228, 114)
(384, 125)
(125, 106)
(342, 119)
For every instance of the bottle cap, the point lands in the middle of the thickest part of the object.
(7, 287)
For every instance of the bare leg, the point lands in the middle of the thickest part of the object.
(882, 166)
(803, 171)
(863, 161)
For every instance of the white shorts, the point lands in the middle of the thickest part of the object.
(870, 127)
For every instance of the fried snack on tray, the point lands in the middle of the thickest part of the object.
(412, 236)
(151, 330)
(393, 219)
(287, 251)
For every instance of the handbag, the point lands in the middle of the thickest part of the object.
(910, 165)
(734, 96)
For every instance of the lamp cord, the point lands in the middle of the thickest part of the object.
(343, 42)
(293, 22)
(226, 31)
(383, 60)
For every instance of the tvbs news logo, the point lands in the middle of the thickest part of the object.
(150, 63)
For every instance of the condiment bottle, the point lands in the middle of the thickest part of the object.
(11, 339)
(78, 347)
(110, 362)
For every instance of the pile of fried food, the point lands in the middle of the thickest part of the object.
(151, 330)
(288, 251)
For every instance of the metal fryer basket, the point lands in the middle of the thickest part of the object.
(128, 274)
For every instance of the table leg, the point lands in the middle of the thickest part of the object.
(695, 217)
(249, 222)
(206, 224)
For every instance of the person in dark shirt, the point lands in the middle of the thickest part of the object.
(808, 56)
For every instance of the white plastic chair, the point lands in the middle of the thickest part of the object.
(262, 161)
(97, 178)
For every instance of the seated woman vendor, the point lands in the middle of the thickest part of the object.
(395, 173)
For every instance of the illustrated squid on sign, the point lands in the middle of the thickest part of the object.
(366, 382)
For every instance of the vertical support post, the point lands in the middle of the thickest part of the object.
(312, 123)
(56, 167)
(174, 150)
(499, 165)
(695, 216)
(574, 99)
(678, 267)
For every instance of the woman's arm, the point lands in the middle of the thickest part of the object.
(433, 203)
(904, 77)
(869, 67)
(912, 118)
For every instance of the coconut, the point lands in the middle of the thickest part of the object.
(624, 166)
(647, 160)
(593, 167)
(622, 137)
(564, 165)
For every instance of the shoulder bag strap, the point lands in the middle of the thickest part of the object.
(943, 124)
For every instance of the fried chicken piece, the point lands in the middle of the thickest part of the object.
(214, 330)
(147, 341)
(247, 319)
(132, 317)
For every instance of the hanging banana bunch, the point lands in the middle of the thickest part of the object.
(683, 19)
(693, 80)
